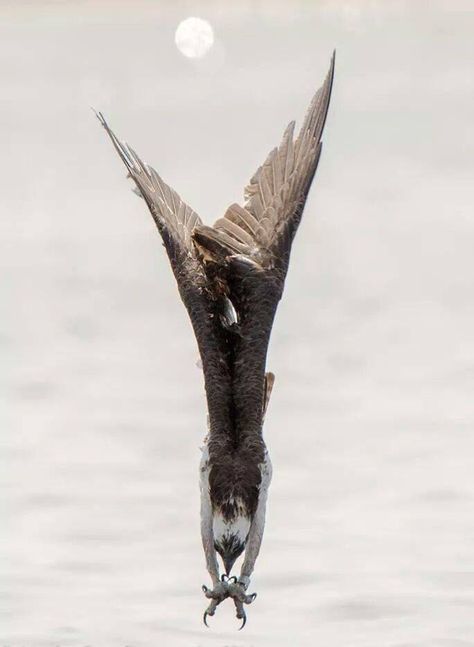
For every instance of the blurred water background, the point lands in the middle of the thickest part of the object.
(369, 539)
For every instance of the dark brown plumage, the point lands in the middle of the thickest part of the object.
(231, 278)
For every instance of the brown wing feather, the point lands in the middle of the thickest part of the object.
(174, 218)
(276, 194)
(176, 221)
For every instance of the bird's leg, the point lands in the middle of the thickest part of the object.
(218, 593)
(207, 533)
(238, 587)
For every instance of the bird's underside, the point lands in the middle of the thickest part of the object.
(230, 277)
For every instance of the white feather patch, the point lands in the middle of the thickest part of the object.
(223, 528)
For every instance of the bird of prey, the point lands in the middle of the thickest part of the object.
(230, 277)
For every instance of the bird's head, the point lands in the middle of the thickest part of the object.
(231, 525)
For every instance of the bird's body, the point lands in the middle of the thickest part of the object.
(231, 278)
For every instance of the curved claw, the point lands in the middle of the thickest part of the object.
(210, 611)
(240, 615)
(228, 587)
(207, 592)
(237, 593)
(217, 595)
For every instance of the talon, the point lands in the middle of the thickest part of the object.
(210, 611)
(244, 620)
(240, 615)
(207, 592)
(217, 595)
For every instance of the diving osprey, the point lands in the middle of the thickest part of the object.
(230, 278)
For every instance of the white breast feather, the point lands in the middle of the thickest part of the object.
(222, 528)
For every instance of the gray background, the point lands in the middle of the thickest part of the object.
(370, 525)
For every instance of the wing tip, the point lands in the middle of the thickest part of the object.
(332, 67)
(99, 116)
(328, 86)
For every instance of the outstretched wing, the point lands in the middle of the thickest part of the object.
(174, 218)
(263, 229)
(254, 242)
(176, 221)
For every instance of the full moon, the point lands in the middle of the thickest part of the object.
(194, 37)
